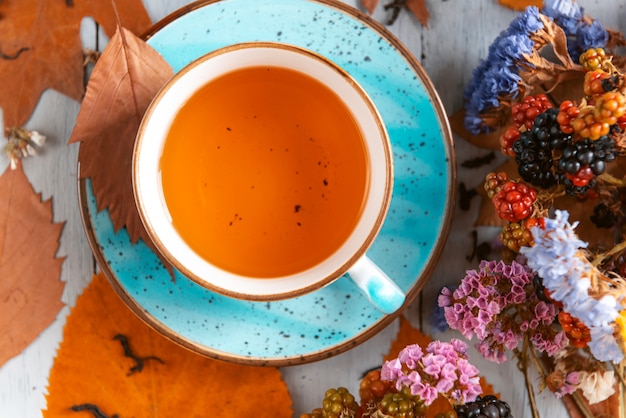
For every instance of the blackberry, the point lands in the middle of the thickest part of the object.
(540, 289)
(603, 216)
(486, 407)
(533, 151)
(581, 161)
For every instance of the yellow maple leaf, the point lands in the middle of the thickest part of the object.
(112, 362)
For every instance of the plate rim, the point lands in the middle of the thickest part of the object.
(376, 326)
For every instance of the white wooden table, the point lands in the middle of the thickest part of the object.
(460, 33)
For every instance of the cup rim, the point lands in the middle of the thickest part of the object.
(289, 291)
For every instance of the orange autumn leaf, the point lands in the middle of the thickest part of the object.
(91, 370)
(408, 335)
(125, 79)
(419, 10)
(489, 140)
(30, 289)
(520, 4)
(369, 5)
(41, 48)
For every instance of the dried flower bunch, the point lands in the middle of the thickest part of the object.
(22, 143)
(555, 88)
(408, 385)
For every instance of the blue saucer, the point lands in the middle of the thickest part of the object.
(337, 317)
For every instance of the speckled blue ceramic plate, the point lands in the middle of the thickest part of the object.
(337, 317)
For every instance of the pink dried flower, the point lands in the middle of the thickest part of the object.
(498, 303)
(443, 369)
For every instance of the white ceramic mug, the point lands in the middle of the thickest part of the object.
(348, 258)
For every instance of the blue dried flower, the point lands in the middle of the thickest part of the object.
(565, 13)
(603, 345)
(498, 75)
(526, 22)
(510, 49)
(591, 36)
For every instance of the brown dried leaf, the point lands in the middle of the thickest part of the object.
(581, 211)
(607, 408)
(489, 141)
(41, 48)
(30, 289)
(369, 5)
(125, 79)
(520, 4)
(558, 42)
(91, 368)
(419, 10)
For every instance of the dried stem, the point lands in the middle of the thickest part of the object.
(522, 365)
(612, 180)
(615, 250)
(582, 405)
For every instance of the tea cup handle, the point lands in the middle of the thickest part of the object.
(377, 287)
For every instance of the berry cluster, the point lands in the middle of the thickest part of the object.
(514, 202)
(337, 403)
(523, 115)
(570, 145)
(487, 407)
(393, 392)
(593, 59)
(582, 161)
(577, 332)
(525, 112)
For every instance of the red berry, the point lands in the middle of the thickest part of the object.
(514, 201)
(568, 111)
(507, 139)
(577, 332)
(525, 112)
(593, 84)
(582, 176)
(621, 122)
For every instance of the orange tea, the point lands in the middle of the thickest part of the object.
(264, 172)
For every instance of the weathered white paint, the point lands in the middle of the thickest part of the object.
(460, 33)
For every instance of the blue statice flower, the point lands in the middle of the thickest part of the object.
(556, 259)
(556, 246)
(565, 13)
(566, 273)
(498, 75)
(591, 36)
(526, 22)
(604, 346)
(510, 49)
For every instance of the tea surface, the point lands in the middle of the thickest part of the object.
(264, 172)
